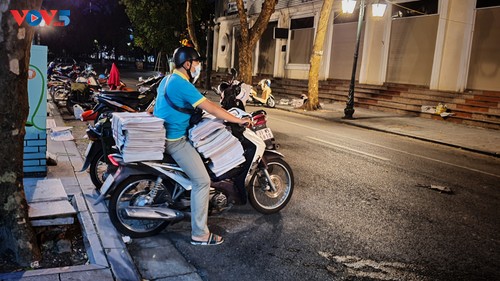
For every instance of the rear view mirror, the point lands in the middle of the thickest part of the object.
(234, 72)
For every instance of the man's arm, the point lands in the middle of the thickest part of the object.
(221, 113)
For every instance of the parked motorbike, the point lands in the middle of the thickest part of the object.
(146, 196)
(235, 94)
(100, 146)
(266, 98)
(100, 134)
(125, 101)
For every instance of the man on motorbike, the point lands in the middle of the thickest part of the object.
(183, 94)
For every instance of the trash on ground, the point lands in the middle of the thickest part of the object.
(441, 110)
(440, 188)
(61, 134)
(284, 102)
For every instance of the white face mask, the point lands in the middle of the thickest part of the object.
(196, 73)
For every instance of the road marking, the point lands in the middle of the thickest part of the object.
(366, 268)
(349, 149)
(393, 149)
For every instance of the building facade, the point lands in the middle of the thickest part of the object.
(445, 45)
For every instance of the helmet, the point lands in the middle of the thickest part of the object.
(183, 54)
(268, 82)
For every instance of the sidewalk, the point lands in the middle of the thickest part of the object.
(475, 139)
(108, 257)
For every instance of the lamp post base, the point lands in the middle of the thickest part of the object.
(348, 113)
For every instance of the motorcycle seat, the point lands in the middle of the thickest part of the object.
(135, 100)
(167, 158)
(126, 94)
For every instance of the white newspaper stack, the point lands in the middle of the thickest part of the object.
(212, 140)
(138, 136)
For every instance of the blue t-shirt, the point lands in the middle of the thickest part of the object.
(182, 94)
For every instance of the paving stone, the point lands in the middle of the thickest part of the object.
(122, 265)
(51, 209)
(91, 199)
(95, 252)
(110, 238)
(94, 275)
(46, 190)
(186, 277)
(161, 262)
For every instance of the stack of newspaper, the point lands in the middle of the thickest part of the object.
(138, 136)
(213, 141)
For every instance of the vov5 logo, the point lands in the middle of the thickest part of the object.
(35, 17)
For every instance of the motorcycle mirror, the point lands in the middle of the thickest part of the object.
(234, 72)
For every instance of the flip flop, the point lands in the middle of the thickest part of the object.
(213, 239)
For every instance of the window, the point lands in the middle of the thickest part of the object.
(415, 8)
(301, 40)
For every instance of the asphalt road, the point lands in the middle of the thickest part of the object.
(362, 209)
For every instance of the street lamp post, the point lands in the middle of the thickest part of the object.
(349, 109)
(378, 10)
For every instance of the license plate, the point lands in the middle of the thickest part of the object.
(88, 148)
(107, 184)
(265, 133)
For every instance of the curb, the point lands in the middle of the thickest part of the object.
(342, 121)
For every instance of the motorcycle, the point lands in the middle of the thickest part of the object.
(100, 134)
(125, 101)
(267, 97)
(100, 146)
(235, 94)
(146, 196)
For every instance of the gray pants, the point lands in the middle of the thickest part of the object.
(190, 161)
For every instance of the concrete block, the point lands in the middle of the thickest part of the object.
(155, 263)
(36, 142)
(101, 274)
(37, 155)
(46, 190)
(110, 237)
(27, 163)
(51, 209)
(95, 251)
(122, 265)
(35, 169)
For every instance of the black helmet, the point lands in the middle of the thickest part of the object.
(183, 54)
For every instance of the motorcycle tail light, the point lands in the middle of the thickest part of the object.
(259, 120)
(113, 161)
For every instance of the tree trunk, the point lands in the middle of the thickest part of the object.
(312, 100)
(249, 37)
(190, 24)
(17, 237)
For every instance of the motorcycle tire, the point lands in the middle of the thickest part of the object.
(126, 193)
(261, 197)
(271, 102)
(70, 103)
(98, 167)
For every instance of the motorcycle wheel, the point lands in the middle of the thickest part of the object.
(59, 94)
(70, 103)
(271, 102)
(261, 197)
(131, 192)
(98, 168)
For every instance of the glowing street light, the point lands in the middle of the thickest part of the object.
(348, 6)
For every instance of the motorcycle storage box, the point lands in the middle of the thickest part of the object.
(138, 136)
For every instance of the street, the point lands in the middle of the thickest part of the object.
(361, 211)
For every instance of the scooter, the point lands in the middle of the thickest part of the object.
(267, 97)
(100, 135)
(125, 101)
(146, 196)
(235, 94)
